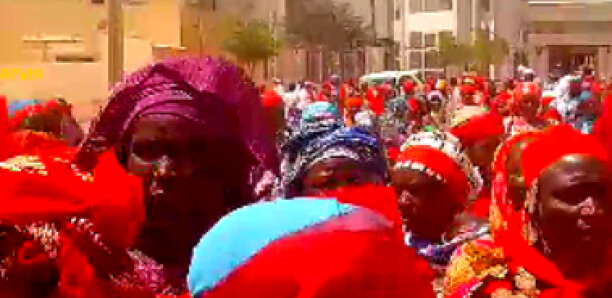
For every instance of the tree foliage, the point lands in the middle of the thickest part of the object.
(252, 42)
(488, 51)
(325, 23)
(477, 56)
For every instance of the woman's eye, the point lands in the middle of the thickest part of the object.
(147, 151)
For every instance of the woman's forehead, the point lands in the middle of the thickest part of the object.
(575, 167)
(155, 127)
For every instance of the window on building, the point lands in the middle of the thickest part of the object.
(416, 39)
(416, 6)
(97, 1)
(430, 40)
(437, 5)
(486, 5)
(416, 60)
(398, 14)
(446, 4)
(431, 60)
(445, 36)
(431, 5)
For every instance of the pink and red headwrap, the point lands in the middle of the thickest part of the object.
(213, 92)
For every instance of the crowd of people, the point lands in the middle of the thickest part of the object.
(194, 182)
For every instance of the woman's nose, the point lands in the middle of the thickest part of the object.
(165, 167)
(590, 208)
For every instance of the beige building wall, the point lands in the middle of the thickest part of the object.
(84, 84)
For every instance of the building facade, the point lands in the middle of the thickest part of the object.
(67, 42)
(547, 35)
(418, 25)
(566, 35)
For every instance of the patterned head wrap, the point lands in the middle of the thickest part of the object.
(440, 156)
(309, 248)
(212, 93)
(320, 112)
(352, 143)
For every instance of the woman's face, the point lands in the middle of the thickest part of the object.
(335, 173)
(528, 107)
(426, 204)
(482, 152)
(574, 212)
(184, 173)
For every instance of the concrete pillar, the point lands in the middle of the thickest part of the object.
(462, 12)
(542, 67)
(115, 42)
(602, 62)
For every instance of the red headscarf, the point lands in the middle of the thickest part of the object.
(354, 103)
(440, 163)
(48, 188)
(503, 99)
(552, 114)
(271, 99)
(526, 90)
(477, 127)
(508, 218)
(376, 98)
(413, 105)
(4, 129)
(557, 142)
(409, 87)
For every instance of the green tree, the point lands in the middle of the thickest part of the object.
(452, 53)
(487, 51)
(251, 43)
(326, 25)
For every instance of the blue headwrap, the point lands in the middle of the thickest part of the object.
(352, 143)
(18, 105)
(320, 111)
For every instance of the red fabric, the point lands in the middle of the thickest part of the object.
(552, 114)
(26, 142)
(479, 128)
(113, 200)
(381, 199)
(271, 99)
(547, 100)
(323, 96)
(482, 205)
(441, 164)
(377, 102)
(504, 98)
(557, 142)
(409, 87)
(329, 265)
(603, 126)
(393, 153)
(5, 142)
(413, 105)
(354, 103)
(526, 89)
(468, 90)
